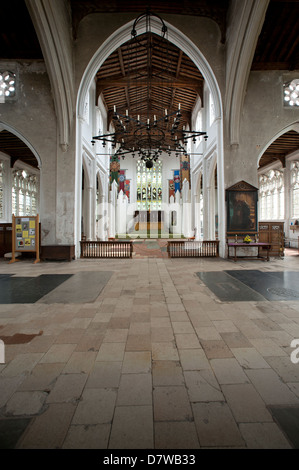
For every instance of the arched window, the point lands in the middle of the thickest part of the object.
(24, 193)
(149, 186)
(7, 85)
(294, 189)
(271, 195)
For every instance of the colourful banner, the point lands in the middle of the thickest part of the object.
(177, 180)
(185, 169)
(114, 168)
(121, 180)
(171, 188)
(127, 189)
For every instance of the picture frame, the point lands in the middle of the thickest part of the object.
(241, 203)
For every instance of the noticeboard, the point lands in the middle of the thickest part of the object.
(25, 235)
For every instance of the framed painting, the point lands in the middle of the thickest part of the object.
(241, 200)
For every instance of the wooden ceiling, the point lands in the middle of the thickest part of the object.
(280, 149)
(278, 43)
(18, 39)
(147, 76)
(16, 149)
(277, 49)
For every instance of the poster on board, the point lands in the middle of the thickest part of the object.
(25, 236)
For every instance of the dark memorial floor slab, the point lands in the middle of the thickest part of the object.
(288, 420)
(247, 285)
(280, 285)
(82, 287)
(14, 290)
(53, 288)
(11, 430)
(227, 288)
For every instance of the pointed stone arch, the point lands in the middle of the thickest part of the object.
(291, 127)
(12, 130)
(178, 38)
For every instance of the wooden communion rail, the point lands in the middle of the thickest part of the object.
(193, 249)
(175, 249)
(109, 249)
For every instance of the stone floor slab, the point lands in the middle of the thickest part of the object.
(167, 373)
(176, 435)
(270, 387)
(132, 428)
(26, 403)
(202, 386)
(228, 371)
(171, 404)
(95, 407)
(216, 426)
(135, 389)
(48, 430)
(245, 403)
(87, 437)
(263, 436)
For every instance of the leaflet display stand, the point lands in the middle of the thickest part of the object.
(25, 236)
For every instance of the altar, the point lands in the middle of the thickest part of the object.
(149, 220)
(259, 245)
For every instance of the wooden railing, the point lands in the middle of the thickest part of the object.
(193, 249)
(109, 249)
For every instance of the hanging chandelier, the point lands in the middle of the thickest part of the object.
(148, 130)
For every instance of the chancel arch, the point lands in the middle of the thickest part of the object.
(179, 39)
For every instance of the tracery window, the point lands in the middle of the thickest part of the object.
(7, 85)
(271, 195)
(24, 193)
(149, 186)
(295, 189)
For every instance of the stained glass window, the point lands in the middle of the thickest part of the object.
(149, 186)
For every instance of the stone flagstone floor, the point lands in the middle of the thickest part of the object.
(155, 362)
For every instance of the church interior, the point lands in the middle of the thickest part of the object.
(149, 224)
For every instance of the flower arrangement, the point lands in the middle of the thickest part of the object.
(247, 239)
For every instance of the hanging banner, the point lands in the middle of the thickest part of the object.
(127, 189)
(171, 189)
(121, 180)
(114, 168)
(185, 169)
(177, 180)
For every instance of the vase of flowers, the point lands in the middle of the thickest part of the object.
(247, 239)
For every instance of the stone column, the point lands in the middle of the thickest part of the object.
(206, 199)
(112, 210)
(186, 218)
(89, 213)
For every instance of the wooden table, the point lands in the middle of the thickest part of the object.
(260, 245)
